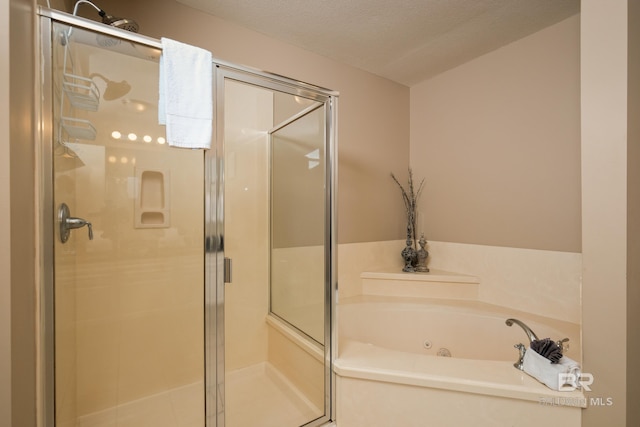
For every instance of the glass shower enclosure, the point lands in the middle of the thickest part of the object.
(182, 287)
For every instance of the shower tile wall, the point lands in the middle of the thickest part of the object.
(66, 326)
(248, 117)
(138, 292)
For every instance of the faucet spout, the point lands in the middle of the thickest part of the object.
(530, 334)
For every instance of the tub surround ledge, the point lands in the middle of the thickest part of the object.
(435, 284)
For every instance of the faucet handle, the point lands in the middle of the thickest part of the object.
(561, 344)
(68, 223)
(522, 350)
(90, 227)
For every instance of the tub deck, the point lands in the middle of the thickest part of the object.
(486, 377)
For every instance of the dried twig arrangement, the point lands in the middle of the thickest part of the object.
(410, 199)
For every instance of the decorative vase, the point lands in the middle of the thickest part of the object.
(422, 256)
(410, 198)
(409, 256)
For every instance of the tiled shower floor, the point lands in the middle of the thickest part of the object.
(257, 396)
(180, 407)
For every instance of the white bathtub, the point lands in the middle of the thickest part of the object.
(389, 374)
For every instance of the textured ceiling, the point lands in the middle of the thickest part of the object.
(403, 40)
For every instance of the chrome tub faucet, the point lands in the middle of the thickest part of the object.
(530, 334)
(550, 353)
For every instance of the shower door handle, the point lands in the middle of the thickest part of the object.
(68, 223)
(228, 265)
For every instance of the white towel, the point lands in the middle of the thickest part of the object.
(186, 96)
(562, 376)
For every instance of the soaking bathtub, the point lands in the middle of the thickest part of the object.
(431, 362)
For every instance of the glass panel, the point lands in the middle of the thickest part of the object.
(266, 360)
(129, 308)
(297, 221)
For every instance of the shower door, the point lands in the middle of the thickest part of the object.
(275, 140)
(139, 326)
(128, 251)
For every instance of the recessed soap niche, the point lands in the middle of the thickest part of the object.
(152, 202)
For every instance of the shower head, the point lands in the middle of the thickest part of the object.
(114, 89)
(123, 23)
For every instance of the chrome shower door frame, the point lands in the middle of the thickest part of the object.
(329, 99)
(214, 222)
(44, 192)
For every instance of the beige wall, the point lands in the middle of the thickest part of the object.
(498, 142)
(20, 205)
(298, 182)
(297, 179)
(66, 5)
(609, 96)
(373, 112)
(5, 226)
